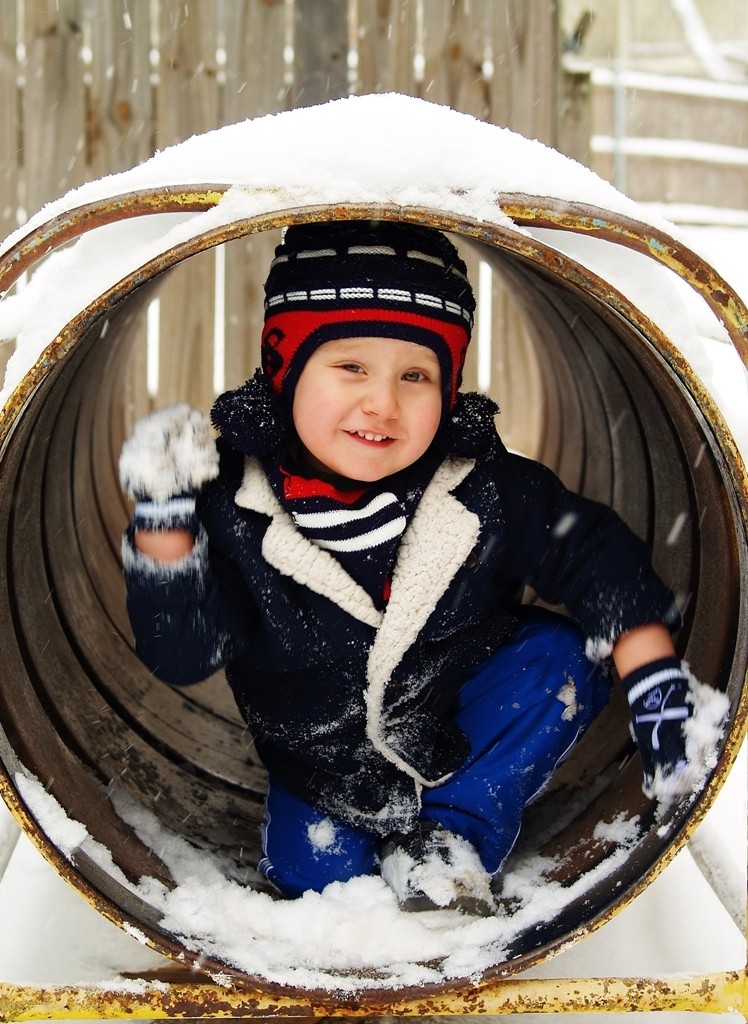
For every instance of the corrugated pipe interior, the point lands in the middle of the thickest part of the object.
(624, 419)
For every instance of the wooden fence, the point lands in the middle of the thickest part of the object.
(662, 95)
(89, 88)
(92, 87)
(667, 139)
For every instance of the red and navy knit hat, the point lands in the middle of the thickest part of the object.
(382, 279)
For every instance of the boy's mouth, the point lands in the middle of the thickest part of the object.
(370, 436)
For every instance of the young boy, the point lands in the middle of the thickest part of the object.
(354, 562)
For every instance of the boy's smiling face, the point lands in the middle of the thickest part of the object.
(365, 408)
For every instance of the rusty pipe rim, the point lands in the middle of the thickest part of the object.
(527, 255)
(524, 210)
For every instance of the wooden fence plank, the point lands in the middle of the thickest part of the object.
(522, 94)
(450, 63)
(718, 120)
(437, 49)
(50, 143)
(187, 306)
(10, 139)
(678, 147)
(387, 46)
(525, 74)
(53, 108)
(136, 400)
(455, 36)
(186, 87)
(255, 83)
(118, 96)
(247, 264)
(120, 120)
(320, 51)
(575, 115)
(187, 103)
(516, 381)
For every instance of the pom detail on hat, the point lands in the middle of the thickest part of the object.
(470, 430)
(251, 418)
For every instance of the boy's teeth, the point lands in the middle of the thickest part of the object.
(371, 437)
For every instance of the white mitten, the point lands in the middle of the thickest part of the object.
(169, 456)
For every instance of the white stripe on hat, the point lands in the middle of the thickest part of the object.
(429, 300)
(415, 254)
(395, 294)
(371, 250)
(310, 254)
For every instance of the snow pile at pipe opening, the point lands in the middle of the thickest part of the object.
(367, 149)
(317, 942)
(384, 147)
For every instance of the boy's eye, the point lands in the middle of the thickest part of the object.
(414, 375)
(351, 367)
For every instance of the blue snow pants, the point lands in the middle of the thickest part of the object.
(522, 709)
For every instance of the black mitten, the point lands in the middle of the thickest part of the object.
(657, 695)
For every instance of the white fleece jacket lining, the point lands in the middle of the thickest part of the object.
(435, 545)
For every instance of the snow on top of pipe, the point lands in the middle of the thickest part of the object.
(383, 148)
(367, 149)
(380, 147)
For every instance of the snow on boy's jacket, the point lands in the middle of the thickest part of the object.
(349, 706)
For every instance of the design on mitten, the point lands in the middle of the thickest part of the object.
(657, 710)
(678, 724)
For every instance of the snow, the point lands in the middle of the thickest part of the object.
(251, 931)
(49, 933)
(323, 835)
(154, 458)
(388, 156)
(445, 868)
(672, 149)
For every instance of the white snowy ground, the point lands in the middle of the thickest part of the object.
(49, 934)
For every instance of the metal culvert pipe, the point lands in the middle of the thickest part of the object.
(624, 420)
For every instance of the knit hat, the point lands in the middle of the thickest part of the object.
(384, 279)
(344, 279)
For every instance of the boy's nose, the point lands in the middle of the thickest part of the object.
(381, 400)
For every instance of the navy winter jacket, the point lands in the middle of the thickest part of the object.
(350, 706)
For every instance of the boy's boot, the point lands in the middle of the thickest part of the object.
(433, 869)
